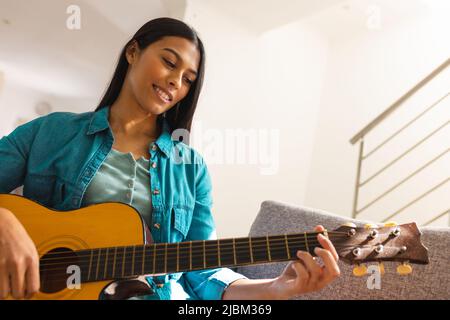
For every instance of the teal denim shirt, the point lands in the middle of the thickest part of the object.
(56, 156)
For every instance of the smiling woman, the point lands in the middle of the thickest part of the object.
(166, 56)
(160, 77)
(124, 152)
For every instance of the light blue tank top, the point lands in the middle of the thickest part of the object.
(123, 179)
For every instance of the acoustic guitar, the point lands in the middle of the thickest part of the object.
(105, 251)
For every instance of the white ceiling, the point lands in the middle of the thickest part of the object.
(344, 18)
(354, 18)
(263, 15)
(129, 15)
(38, 50)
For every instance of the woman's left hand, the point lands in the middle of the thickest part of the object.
(306, 275)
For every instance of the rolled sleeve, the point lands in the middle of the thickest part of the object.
(211, 284)
(206, 284)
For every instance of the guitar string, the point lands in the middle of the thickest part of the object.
(311, 235)
(256, 239)
(172, 259)
(195, 252)
(60, 272)
(173, 247)
(63, 276)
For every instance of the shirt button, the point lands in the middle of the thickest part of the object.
(154, 147)
(156, 191)
(153, 164)
(156, 225)
(130, 184)
(160, 285)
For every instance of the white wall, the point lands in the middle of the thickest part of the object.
(365, 75)
(18, 104)
(256, 82)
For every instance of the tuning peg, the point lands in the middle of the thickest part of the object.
(381, 268)
(404, 269)
(349, 224)
(360, 270)
(391, 224)
(370, 226)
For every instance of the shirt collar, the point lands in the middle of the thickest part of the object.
(99, 122)
(164, 142)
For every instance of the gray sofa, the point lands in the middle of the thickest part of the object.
(430, 281)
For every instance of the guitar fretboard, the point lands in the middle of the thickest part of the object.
(115, 263)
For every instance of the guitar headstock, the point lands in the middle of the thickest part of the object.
(373, 243)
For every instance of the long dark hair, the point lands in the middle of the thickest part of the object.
(179, 116)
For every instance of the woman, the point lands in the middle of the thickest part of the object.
(124, 152)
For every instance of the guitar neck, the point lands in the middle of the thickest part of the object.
(115, 263)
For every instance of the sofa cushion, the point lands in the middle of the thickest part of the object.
(430, 281)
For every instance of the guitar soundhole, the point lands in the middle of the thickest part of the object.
(56, 266)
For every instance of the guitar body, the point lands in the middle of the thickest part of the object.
(96, 226)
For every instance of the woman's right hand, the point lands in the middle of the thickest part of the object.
(19, 259)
